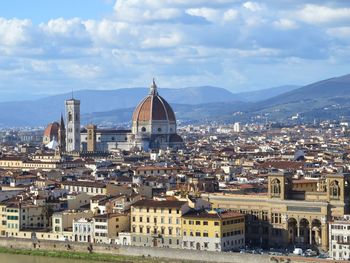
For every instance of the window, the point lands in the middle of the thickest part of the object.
(205, 223)
(143, 129)
(198, 223)
(216, 223)
(275, 188)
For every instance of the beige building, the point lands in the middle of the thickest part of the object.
(108, 226)
(17, 217)
(63, 221)
(157, 223)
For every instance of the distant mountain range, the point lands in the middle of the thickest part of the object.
(327, 99)
(44, 110)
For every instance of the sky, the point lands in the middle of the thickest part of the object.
(50, 47)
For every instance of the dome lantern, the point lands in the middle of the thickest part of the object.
(153, 89)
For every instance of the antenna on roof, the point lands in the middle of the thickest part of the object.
(72, 93)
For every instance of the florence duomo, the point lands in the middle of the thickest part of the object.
(153, 127)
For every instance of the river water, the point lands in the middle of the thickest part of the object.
(9, 258)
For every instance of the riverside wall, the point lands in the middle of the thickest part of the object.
(179, 254)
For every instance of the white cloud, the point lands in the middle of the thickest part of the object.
(15, 31)
(209, 14)
(317, 14)
(252, 6)
(285, 24)
(230, 14)
(162, 41)
(136, 11)
(340, 32)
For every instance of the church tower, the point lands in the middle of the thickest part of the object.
(73, 125)
(62, 135)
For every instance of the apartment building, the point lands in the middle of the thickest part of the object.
(339, 238)
(157, 223)
(214, 230)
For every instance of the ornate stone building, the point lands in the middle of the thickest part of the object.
(153, 127)
(154, 123)
(286, 217)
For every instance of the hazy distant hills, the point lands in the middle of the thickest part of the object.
(329, 88)
(259, 95)
(48, 109)
(327, 99)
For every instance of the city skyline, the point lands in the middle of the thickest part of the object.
(237, 45)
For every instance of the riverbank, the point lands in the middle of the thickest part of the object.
(87, 256)
(116, 253)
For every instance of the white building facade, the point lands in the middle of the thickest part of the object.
(339, 239)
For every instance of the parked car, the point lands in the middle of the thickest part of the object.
(297, 251)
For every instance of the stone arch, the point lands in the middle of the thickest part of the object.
(292, 230)
(304, 231)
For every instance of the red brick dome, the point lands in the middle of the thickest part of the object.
(52, 130)
(153, 108)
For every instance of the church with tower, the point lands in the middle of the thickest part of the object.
(153, 127)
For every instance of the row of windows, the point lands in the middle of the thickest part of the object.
(15, 226)
(198, 223)
(198, 234)
(85, 189)
(12, 217)
(340, 238)
(340, 227)
(156, 231)
(12, 210)
(155, 220)
(162, 210)
(234, 221)
(100, 227)
(233, 233)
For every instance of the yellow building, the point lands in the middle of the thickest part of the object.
(287, 216)
(157, 223)
(215, 230)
